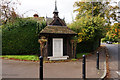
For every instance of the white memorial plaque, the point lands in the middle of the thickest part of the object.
(57, 47)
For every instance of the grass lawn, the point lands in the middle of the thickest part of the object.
(21, 57)
(79, 55)
(32, 57)
(116, 43)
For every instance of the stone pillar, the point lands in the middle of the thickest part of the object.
(42, 42)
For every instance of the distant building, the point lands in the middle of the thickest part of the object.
(37, 18)
(35, 15)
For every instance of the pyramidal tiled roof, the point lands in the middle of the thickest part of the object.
(57, 30)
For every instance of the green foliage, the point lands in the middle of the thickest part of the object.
(74, 59)
(88, 46)
(98, 8)
(103, 10)
(88, 28)
(79, 55)
(91, 24)
(113, 33)
(21, 37)
(0, 40)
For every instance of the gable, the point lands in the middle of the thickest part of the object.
(57, 22)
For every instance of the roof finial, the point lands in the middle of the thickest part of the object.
(55, 11)
(55, 6)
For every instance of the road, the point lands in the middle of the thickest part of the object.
(72, 69)
(20, 69)
(114, 58)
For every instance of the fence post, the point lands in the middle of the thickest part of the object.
(84, 68)
(41, 68)
(97, 60)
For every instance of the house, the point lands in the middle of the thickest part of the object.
(58, 35)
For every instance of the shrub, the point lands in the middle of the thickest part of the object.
(90, 31)
(20, 38)
(88, 46)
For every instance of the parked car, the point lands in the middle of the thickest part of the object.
(108, 42)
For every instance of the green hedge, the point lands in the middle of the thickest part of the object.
(88, 46)
(20, 38)
(0, 41)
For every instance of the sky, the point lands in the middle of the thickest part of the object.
(46, 7)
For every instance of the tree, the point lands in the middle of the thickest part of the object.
(90, 31)
(104, 9)
(88, 28)
(7, 10)
(113, 33)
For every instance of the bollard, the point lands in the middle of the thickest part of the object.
(41, 68)
(75, 55)
(97, 60)
(84, 68)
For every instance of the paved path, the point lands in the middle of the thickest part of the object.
(113, 60)
(20, 69)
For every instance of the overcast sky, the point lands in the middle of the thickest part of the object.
(46, 7)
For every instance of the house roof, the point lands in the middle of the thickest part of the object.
(57, 21)
(49, 20)
(38, 19)
(57, 30)
(57, 26)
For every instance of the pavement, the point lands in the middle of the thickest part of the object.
(28, 69)
(113, 61)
